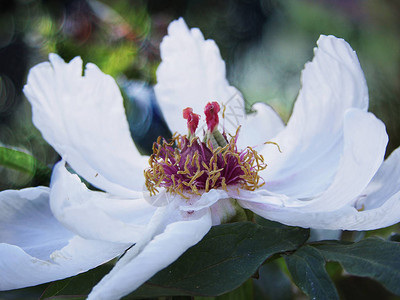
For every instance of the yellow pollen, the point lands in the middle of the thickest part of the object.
(198, 175)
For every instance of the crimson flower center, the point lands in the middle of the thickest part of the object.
(184, 166)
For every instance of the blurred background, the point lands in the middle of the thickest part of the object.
(265, 44)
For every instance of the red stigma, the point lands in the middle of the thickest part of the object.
(211, 111)
(192, 119)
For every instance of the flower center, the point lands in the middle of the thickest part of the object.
(190, 166)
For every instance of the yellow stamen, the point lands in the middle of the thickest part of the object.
(167, 156)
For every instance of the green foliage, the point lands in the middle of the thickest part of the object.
(77, 287)
(244, 292)
(112, 36)
(273, 283)
(24, 162)
(372, 257)
(307, 267)
(17, 160)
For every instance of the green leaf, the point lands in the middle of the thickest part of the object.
(272, 282)
(356, 287)
(27, 293)
(271, 224)
(77, 287)
(394, 237)
(244, 292)
(17, 160)
(307, 267)
(372, 257)
(226, 257)
(24, 162)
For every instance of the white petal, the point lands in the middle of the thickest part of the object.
(96, 215)
(365, 142)
(27, 222)
(194, 203)
(191, 74)
(345, 218)
(312, 141)
(83, 118)
(137, 266)
(162, 198)
(380, 201)
(385, 215)
(384, 185)
(206, 200)
(259, 127)
(224, 210)
(35, 248)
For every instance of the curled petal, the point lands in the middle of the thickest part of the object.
(259, 127)
(96, 215)
(312, 141)
(365, 140)
(192, 73)
(197, 203)
(379, 204)
(345, 218)
(384, 185)
(173, 233)
(83, 118)
(24, 216)
(35, 248)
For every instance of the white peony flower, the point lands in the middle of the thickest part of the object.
(329, 173)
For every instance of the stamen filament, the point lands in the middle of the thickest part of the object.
(184, 166)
